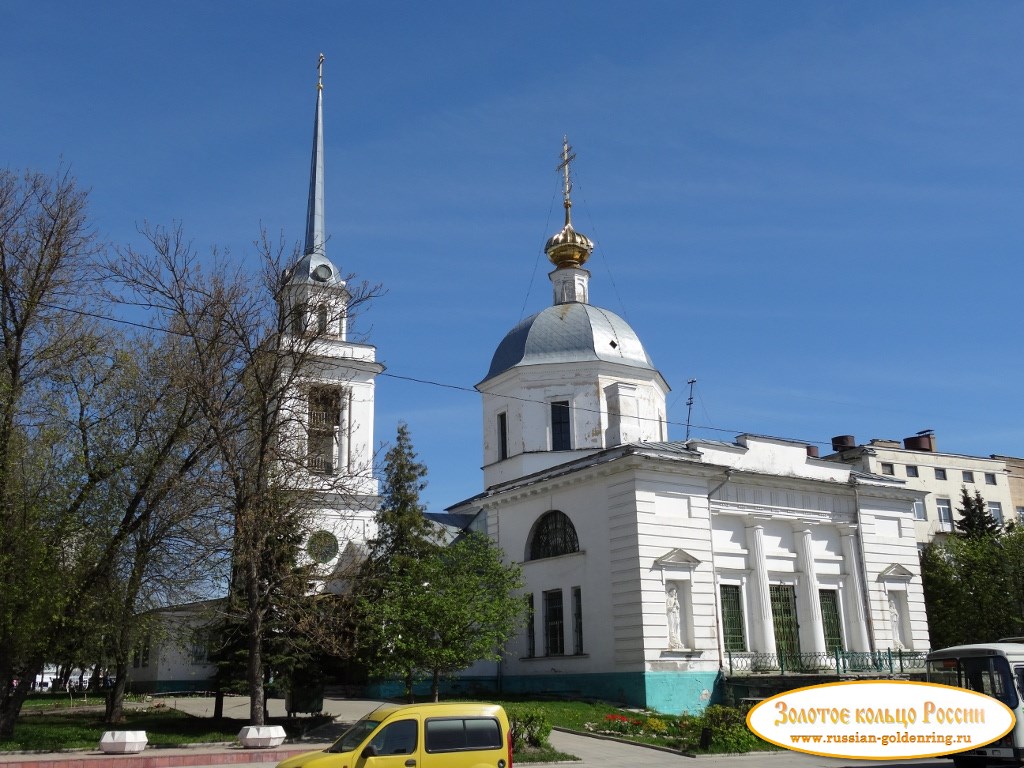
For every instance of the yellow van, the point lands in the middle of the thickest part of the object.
(446, 735)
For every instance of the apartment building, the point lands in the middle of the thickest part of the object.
(921, 466)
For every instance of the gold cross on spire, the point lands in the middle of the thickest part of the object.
(567, 157)
(320, 73)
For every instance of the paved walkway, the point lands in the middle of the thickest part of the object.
(594, 752)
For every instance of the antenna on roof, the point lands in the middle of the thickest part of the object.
(689, 407)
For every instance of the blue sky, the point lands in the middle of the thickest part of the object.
(815, 209)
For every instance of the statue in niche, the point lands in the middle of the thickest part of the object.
(675, 637)
(897, 626)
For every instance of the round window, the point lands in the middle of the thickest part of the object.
(322, 273)
(322, 546)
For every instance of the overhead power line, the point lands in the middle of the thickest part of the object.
(425, 382)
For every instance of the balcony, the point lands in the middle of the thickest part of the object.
(322, 420)
(874, 663)
(321, 464)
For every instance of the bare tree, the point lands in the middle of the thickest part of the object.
(250, 352)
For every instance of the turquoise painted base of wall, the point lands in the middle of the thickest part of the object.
(460, 686)
(672, 693)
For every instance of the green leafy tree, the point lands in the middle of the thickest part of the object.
(975, 521)
(967, 582)
(472, 607)
(47, 250)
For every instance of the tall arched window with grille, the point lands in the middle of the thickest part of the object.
(552, 535)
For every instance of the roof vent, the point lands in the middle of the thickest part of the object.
(843, 442)
(812, 452)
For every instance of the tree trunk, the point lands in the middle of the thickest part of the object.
(408, 687)
(257, 693)
(218, 704)
(435, 687)
(10, 707)
(115, 698)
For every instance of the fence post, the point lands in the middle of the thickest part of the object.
(782, 663)
(730, 661)
(899, 655)
(888, 653)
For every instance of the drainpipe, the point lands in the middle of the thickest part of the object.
(864, 572)
(714, 574)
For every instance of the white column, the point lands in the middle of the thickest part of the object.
(762, 636)
(858, 633)
(805, 562)
(344, 431)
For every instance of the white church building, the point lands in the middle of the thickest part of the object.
(654, 568)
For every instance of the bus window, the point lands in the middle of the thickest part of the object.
(991, 676)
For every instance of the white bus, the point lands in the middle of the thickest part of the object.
(997, 670)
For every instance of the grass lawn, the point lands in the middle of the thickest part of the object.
(50, 731)
(45, 701)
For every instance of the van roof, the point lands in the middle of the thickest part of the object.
(1011, 649)
(438, 709)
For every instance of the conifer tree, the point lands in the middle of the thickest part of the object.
(975, 522)
(402, 530)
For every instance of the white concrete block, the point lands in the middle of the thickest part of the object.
(123, 742)
(261, 736)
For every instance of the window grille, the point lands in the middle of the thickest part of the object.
(553, 535)
(554, 626)
(829, 600)
(732, 618)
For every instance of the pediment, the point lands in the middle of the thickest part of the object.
(895, 572)
(677, 558)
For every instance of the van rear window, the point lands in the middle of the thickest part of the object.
(456, 734)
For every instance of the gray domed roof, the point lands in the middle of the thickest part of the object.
(569, 333)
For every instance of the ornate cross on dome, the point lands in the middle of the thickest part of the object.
(567, 157)
(320, 73)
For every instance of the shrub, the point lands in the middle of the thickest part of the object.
(656, 726)
(727, 728)
(530, 727)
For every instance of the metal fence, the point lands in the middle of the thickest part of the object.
(889, 661)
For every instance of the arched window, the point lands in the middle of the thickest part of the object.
(552, 535)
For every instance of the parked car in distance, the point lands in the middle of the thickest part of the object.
(444, 735)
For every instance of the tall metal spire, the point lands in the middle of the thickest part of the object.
(315, 233)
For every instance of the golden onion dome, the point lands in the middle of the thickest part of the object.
(568, 248)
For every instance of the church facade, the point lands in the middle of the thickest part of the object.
(655, 568)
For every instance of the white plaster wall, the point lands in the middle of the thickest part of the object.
(888, 538)
(672, 513)
(585, 505)
(525, 394)
(170, 652)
